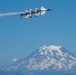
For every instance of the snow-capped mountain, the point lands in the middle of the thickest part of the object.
(46, 60)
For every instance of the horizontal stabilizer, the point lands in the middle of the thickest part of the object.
(26, 10)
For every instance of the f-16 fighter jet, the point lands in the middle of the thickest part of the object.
(29, 13)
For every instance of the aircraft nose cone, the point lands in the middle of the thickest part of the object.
(48, 9)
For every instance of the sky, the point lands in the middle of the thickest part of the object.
(20, 37)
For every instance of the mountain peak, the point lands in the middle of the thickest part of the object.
(55, 58)
(52, 47)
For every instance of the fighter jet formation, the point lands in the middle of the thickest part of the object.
(29, 13)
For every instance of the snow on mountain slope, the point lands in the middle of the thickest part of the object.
(46, 58)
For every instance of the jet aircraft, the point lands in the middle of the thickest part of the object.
(29, 13)
(37, 12)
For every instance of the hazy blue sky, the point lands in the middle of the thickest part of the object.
(19, 37)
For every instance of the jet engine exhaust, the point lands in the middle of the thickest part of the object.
(10, 14)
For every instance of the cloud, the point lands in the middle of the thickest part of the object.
(14, 59)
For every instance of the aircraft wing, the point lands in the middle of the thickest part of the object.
(26, 16)
(43, 12)
(30, 15)
(37, 14)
